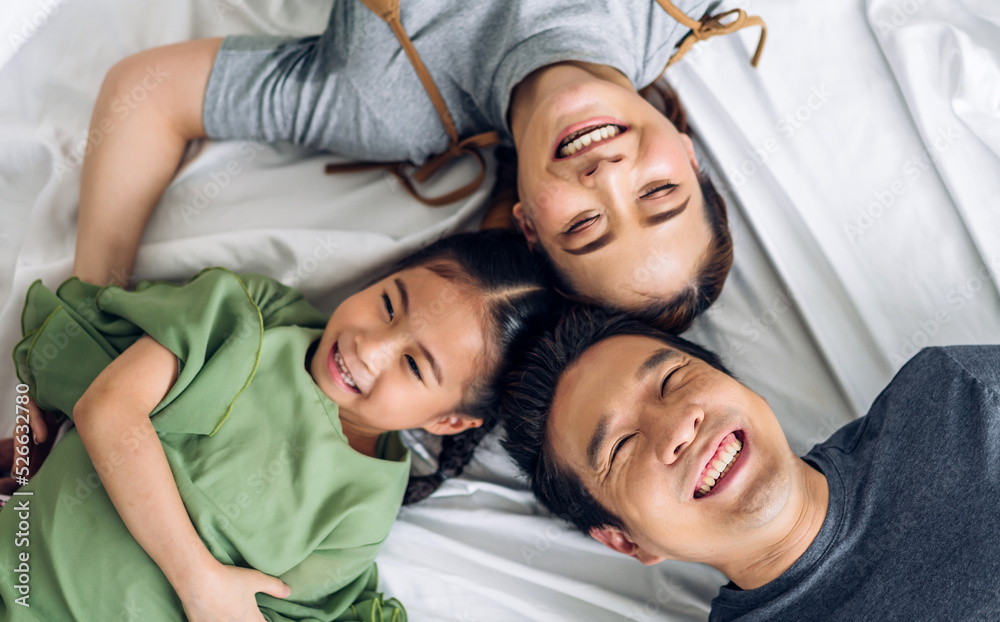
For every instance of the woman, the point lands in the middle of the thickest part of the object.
(610, 189)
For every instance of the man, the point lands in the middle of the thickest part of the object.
(645, 442)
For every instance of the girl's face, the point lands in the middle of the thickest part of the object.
(401, 353)
(621, 217)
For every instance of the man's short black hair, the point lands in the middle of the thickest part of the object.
(526, 403)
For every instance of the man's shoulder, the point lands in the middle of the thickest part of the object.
(980, 362)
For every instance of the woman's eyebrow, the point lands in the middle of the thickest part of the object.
(666, 215)
(600, 242)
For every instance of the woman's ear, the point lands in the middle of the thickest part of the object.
(524, 225)
(453, 424)
(689, 147)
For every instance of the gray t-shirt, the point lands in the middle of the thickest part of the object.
(911, 532)
(353, 91)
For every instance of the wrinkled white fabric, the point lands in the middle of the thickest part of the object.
(854, 247)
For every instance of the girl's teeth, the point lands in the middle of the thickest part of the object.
(346, 375)
(594, 136)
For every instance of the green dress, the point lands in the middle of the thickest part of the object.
(255, 447)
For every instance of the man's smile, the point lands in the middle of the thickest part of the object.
(721, 462)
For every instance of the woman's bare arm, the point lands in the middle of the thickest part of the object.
(149, 107)
(113, 420)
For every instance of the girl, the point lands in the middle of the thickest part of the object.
(246, 448)
(610, 191)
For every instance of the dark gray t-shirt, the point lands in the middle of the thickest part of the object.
(912, 531)
(353, 91)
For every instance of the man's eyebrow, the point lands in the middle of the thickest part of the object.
(599, 243)
(651, 364)
(403, 295)
(655, 360)
(596, 441)
(666, 215)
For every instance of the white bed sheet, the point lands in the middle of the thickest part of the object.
(853, 245)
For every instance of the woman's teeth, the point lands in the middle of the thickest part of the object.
(346, 375)
(584, 140)
(718, 467)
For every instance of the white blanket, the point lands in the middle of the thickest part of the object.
(860, 162)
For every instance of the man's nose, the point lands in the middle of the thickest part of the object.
(676, 433)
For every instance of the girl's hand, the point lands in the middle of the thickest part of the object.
(25, 452)
(226, 594)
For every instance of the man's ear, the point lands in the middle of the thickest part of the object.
(617, 540)
(689, 147)
(453, 424)
(524, 225)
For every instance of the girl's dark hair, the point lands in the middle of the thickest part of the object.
(674, 315)
(516, 302)
(529, 389)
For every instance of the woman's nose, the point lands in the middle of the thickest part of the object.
(677, 432)
(603, 171)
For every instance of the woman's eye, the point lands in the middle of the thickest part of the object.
(413, 367)
(388, 306)
(659, 189)
(580, 224)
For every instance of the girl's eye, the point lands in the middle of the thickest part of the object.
(658, 189)
(581, 224)
(413, 367)
(388, 306)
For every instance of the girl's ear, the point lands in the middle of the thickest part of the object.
(689, 147)
(453, 424)
(524, 225)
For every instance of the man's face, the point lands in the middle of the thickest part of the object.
(642, 425)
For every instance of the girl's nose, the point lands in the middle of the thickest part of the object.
(377, 350)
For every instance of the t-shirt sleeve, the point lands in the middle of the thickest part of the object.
(276, 88)
(981, 362)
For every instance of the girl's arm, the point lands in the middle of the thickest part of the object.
(113, 420)
(149, 107)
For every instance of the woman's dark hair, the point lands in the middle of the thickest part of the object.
(674, 315)
(526, 402)
(516, 302)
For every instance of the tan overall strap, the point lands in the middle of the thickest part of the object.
(388, 10)
(711, 26)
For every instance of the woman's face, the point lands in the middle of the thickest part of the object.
(622, 217)
(401, 353)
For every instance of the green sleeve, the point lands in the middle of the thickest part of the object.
(214, 324)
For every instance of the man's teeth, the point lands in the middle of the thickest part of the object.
(719, 467)
(593, 136)
(346, 375)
